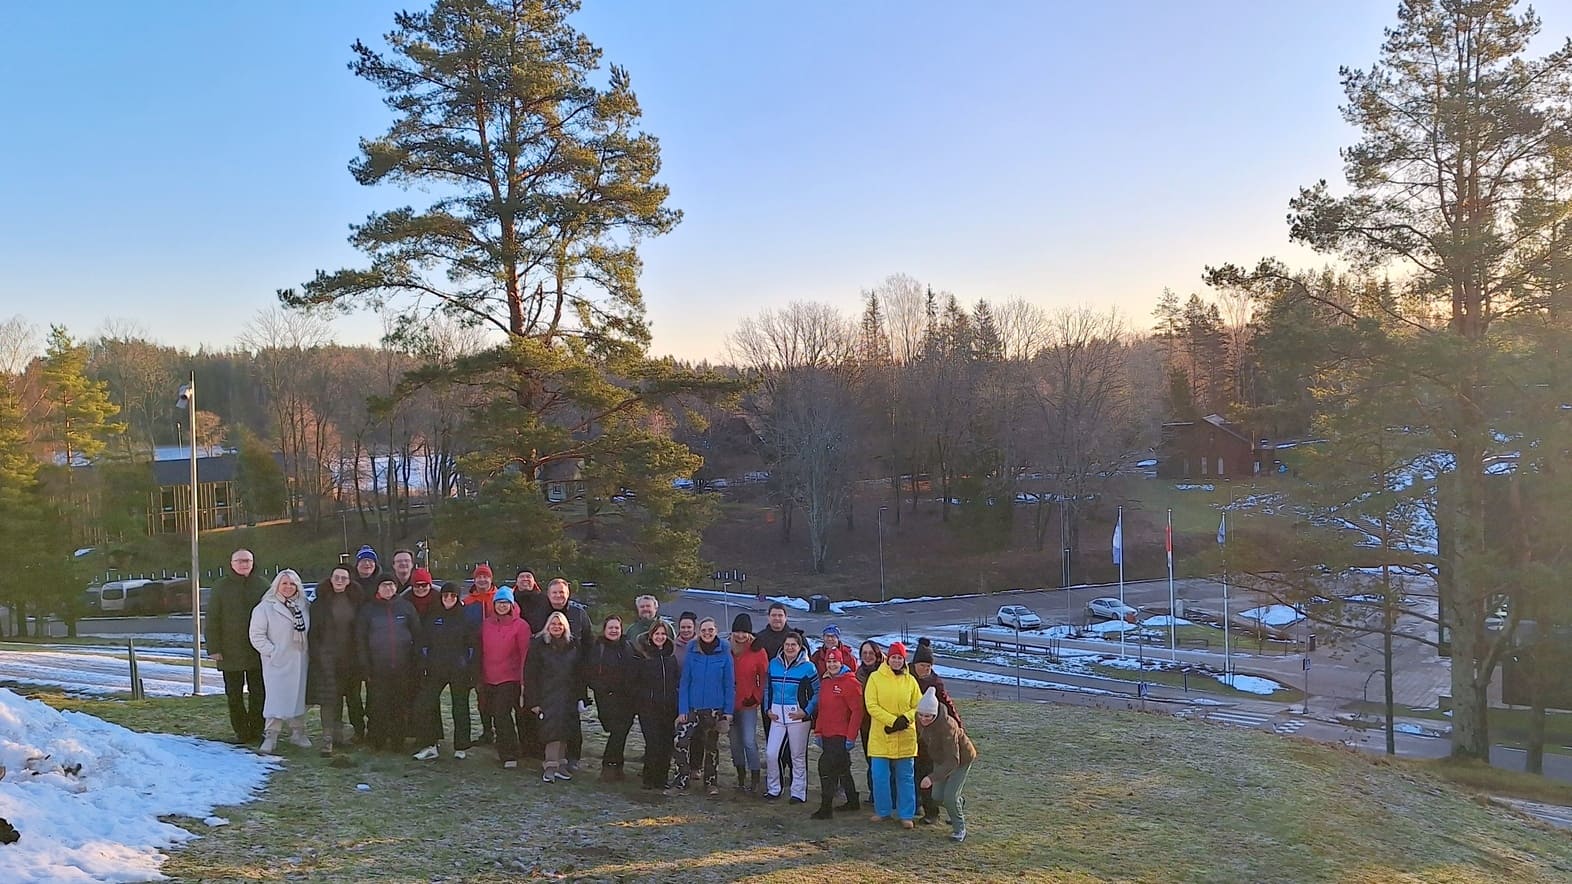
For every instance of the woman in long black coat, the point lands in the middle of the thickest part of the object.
(553, 684)
(333, 666)
(654, 682)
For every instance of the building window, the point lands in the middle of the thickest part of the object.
(1219, 466)
(1205, 463)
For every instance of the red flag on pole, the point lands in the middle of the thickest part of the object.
(1168, 539)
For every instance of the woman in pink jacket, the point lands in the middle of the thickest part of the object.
(504, 645)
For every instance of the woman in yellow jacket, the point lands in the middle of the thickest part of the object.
(891, 696)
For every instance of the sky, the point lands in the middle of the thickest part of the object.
(171, 165)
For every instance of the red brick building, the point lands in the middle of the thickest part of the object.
(1207, 449)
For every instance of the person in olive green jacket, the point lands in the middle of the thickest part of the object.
(228, 639)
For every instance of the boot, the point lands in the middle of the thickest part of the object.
(607, 774)
(270, 736)
(853, 802)
(742, 778)
(342, 736)
(826, 799)
(753, 782)
(297, 733)
(327, 746)
(548, 773)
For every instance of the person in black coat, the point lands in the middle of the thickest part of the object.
(387, 633)
(607, 674)
(228, 641)
(555, 600)
(552, 687)
(448, 641)
(654, 682)
(333, 674)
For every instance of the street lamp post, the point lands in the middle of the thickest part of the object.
(880, 520)
(187, 401)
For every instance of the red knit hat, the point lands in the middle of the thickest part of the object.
(897, 649)
(420, 575)
(483, 568)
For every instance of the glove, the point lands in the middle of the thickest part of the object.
(850, 745)
(901, 723)
(818, 741)
(890, 730)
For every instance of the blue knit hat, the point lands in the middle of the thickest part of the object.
(832, 629)
(503, 595)
(366, 552)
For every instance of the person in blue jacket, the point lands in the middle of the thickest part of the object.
(790, 698)
(705, 697)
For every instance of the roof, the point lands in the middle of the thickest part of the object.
(224, 468)
(568, 470)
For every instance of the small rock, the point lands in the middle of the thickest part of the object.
(8, 832)
(362, 787)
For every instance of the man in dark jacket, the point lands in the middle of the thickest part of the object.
(609, 674)
(388, 634)
(368, 571)
(228, 642)
(556, 600)
(448, 653)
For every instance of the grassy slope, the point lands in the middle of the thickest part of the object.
(1061, 794)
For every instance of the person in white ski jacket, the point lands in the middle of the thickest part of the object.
(278, 632)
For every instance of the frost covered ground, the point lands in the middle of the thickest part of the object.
(89, 669)
(86, 795)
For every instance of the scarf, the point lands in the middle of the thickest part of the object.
(299, 618)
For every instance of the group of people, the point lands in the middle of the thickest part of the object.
(385, 646)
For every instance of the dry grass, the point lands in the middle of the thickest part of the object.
(1062, 794)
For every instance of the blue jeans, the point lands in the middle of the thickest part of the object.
(745, 738)
(905, 787)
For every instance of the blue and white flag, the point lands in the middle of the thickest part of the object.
(1222, 530)
(1118, 540)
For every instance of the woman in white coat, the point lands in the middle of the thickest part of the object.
(278, 632)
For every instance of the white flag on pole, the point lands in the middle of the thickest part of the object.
(1118, 541)
(1222, 530)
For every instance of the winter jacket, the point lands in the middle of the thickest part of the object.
(422, 606)
(229, 621)
(750, 670)
(504, 648)
(708, 679)
(793, 683)
(654, 680)
(770, 640)
(840, 708)
(387, 632)
(480, 599)
(368, 585)
(609, 675)
(448, 643)
(934, 681)
(578, 624)
(330, 644)
(552, 681)
(946, 745)
(534, 607)
(888, 696)
(282, 648)
(843, 653)
(641, 626)
(863, 672)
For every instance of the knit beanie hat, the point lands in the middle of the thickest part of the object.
(929, 704)
(503, 595)
(897, 649)
(366, 552)
(420, 575)
(924, 652)
(742, 623)
(485, 569)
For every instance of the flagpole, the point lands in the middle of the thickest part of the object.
(1228, 662)
(1119, 548)
(1173, 628)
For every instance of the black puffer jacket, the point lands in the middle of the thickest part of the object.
(655, 679)
(608, 675)
(448, 643)
(387, 633)
(552, 681)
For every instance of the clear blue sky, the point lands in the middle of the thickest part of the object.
(174, 163)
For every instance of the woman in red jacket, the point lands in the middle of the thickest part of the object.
(752, 670)
(504, 646)
(837, 727)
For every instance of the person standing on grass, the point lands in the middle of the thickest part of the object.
(388, 634)
(687, 631)
(448, 655)
(655, 682)
(891, 699)
(334, 674)
(838, 723)
(477, 603)
(791, 696)
(922, 669)
(770, 639)
(504, 651)
(944, 740)
(552, 687)
(871, 657)
(648, 608)
(608, 674)
(422, 596)
(833, 650)
(583, 631)
(705, 698)
(751, 670)
(228, 641)
(278, 632)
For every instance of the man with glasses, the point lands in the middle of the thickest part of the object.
(228, 639)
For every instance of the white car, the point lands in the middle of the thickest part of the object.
(1111, 609)
(1019, 617)
(682, 484)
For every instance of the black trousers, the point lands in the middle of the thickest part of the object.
(835, 770)
(503, 701)
(617, 721)
(245, 717)
(429, 706)
(388, 703)
(660, 731)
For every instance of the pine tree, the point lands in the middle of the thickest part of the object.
(78, 410)
(990, 341)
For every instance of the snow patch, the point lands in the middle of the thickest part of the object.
(1195, 487)
(1274, 615)
(1165, 620)
(102, 822)
(106, 671)
(950, 673)
(1250, 684)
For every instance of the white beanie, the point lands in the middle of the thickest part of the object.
(929, 704)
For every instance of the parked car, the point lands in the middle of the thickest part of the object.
(121, 596)
(1019, 617)
(1111, 609)
(719, 484)
(756, 476)
(682, 484)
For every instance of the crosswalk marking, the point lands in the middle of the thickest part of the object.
(1290, 726)
(1238, 719)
